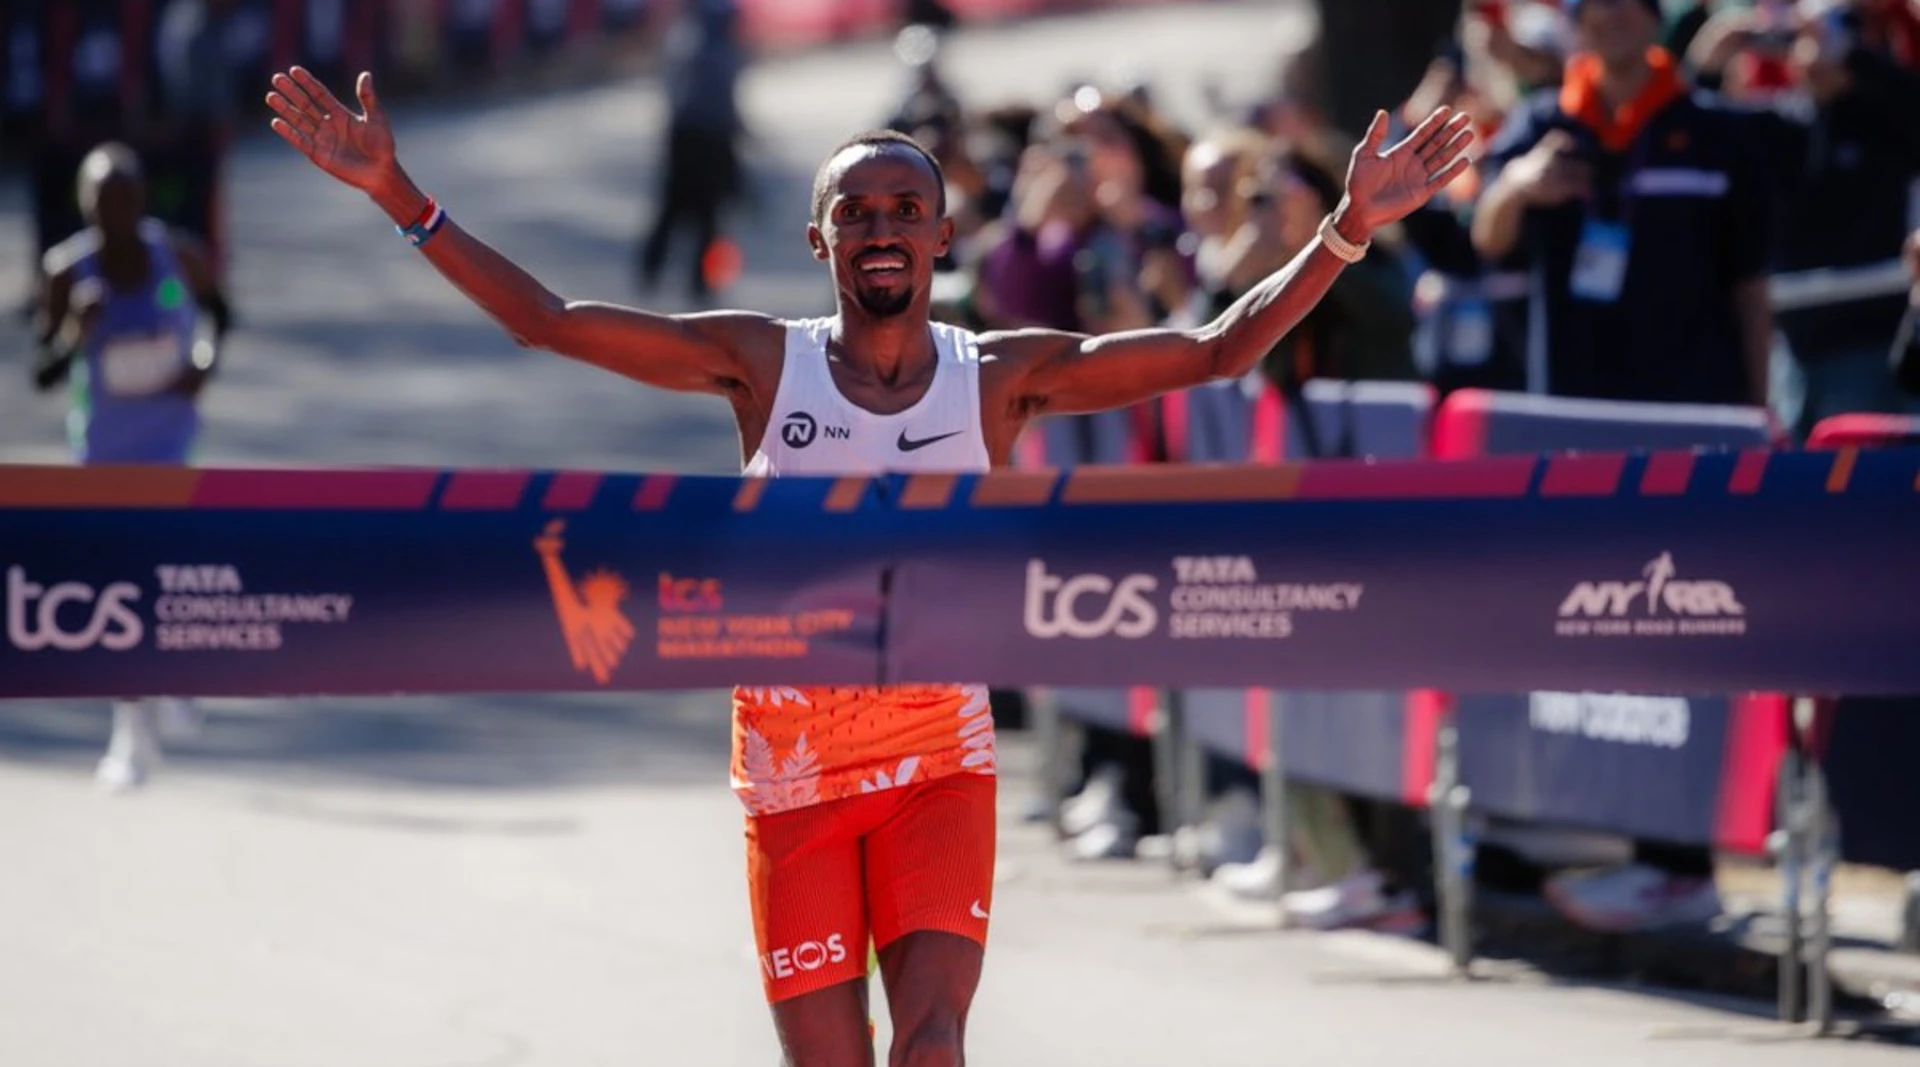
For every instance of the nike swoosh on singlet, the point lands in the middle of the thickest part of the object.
(907, 444)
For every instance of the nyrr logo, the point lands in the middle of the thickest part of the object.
(34, 616)
(1662, 591)
(804, 957)
(597, 631)
(1659, 604)
(1054, 606)
(800, 429)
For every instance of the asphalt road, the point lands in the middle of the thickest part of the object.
(557, 881)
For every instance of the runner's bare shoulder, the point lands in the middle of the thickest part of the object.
(755, 340)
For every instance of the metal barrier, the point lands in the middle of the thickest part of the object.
(1252, 421)
(1495, 748)
(1839, 285)
(1837, 764)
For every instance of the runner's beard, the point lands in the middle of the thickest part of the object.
(881, 304)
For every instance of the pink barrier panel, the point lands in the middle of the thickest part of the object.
(1865, 430)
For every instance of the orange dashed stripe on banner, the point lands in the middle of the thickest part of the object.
(846, 494)
(748, 496)
(1842, 470)
(1014, 489)
(928, 491)
(97, 487)
(1180, 485)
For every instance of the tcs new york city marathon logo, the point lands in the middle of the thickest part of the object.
(596, 628)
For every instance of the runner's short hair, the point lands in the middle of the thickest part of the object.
(875, 139)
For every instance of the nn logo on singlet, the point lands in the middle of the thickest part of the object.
(598, 633)
(800, 429)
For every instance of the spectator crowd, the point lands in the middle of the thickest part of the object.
(1646, 171)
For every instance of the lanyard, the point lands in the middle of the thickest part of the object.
(1623, 198)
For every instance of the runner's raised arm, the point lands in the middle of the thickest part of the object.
(705, 353)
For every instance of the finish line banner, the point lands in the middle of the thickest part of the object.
(1669, 572)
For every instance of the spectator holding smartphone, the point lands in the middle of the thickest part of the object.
(1640, 211)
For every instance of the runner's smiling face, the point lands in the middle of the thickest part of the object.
(881, 228)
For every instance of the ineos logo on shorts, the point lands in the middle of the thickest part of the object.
(33, 615)
(799, 430)
(804, 957)
(1052, 605)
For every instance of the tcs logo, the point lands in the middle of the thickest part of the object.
(1054, 605)
(803, 957)
(690, 594)
(93, 617)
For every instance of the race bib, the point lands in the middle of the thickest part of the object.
(1600, 263)
(141, 366)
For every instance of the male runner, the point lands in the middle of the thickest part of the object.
(870, 810)
(121, 316)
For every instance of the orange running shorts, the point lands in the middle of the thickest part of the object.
(825, 878)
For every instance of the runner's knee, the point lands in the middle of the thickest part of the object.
(932, 1043)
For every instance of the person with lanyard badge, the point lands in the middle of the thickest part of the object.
(1642, 213)
(121, 320)
(1642, 210)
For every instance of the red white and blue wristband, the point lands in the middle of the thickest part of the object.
(423, 228)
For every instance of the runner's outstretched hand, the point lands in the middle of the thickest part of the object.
(355, 148)
(1386, 186)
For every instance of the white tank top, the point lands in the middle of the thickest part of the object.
(794, 747)
(814, 430)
